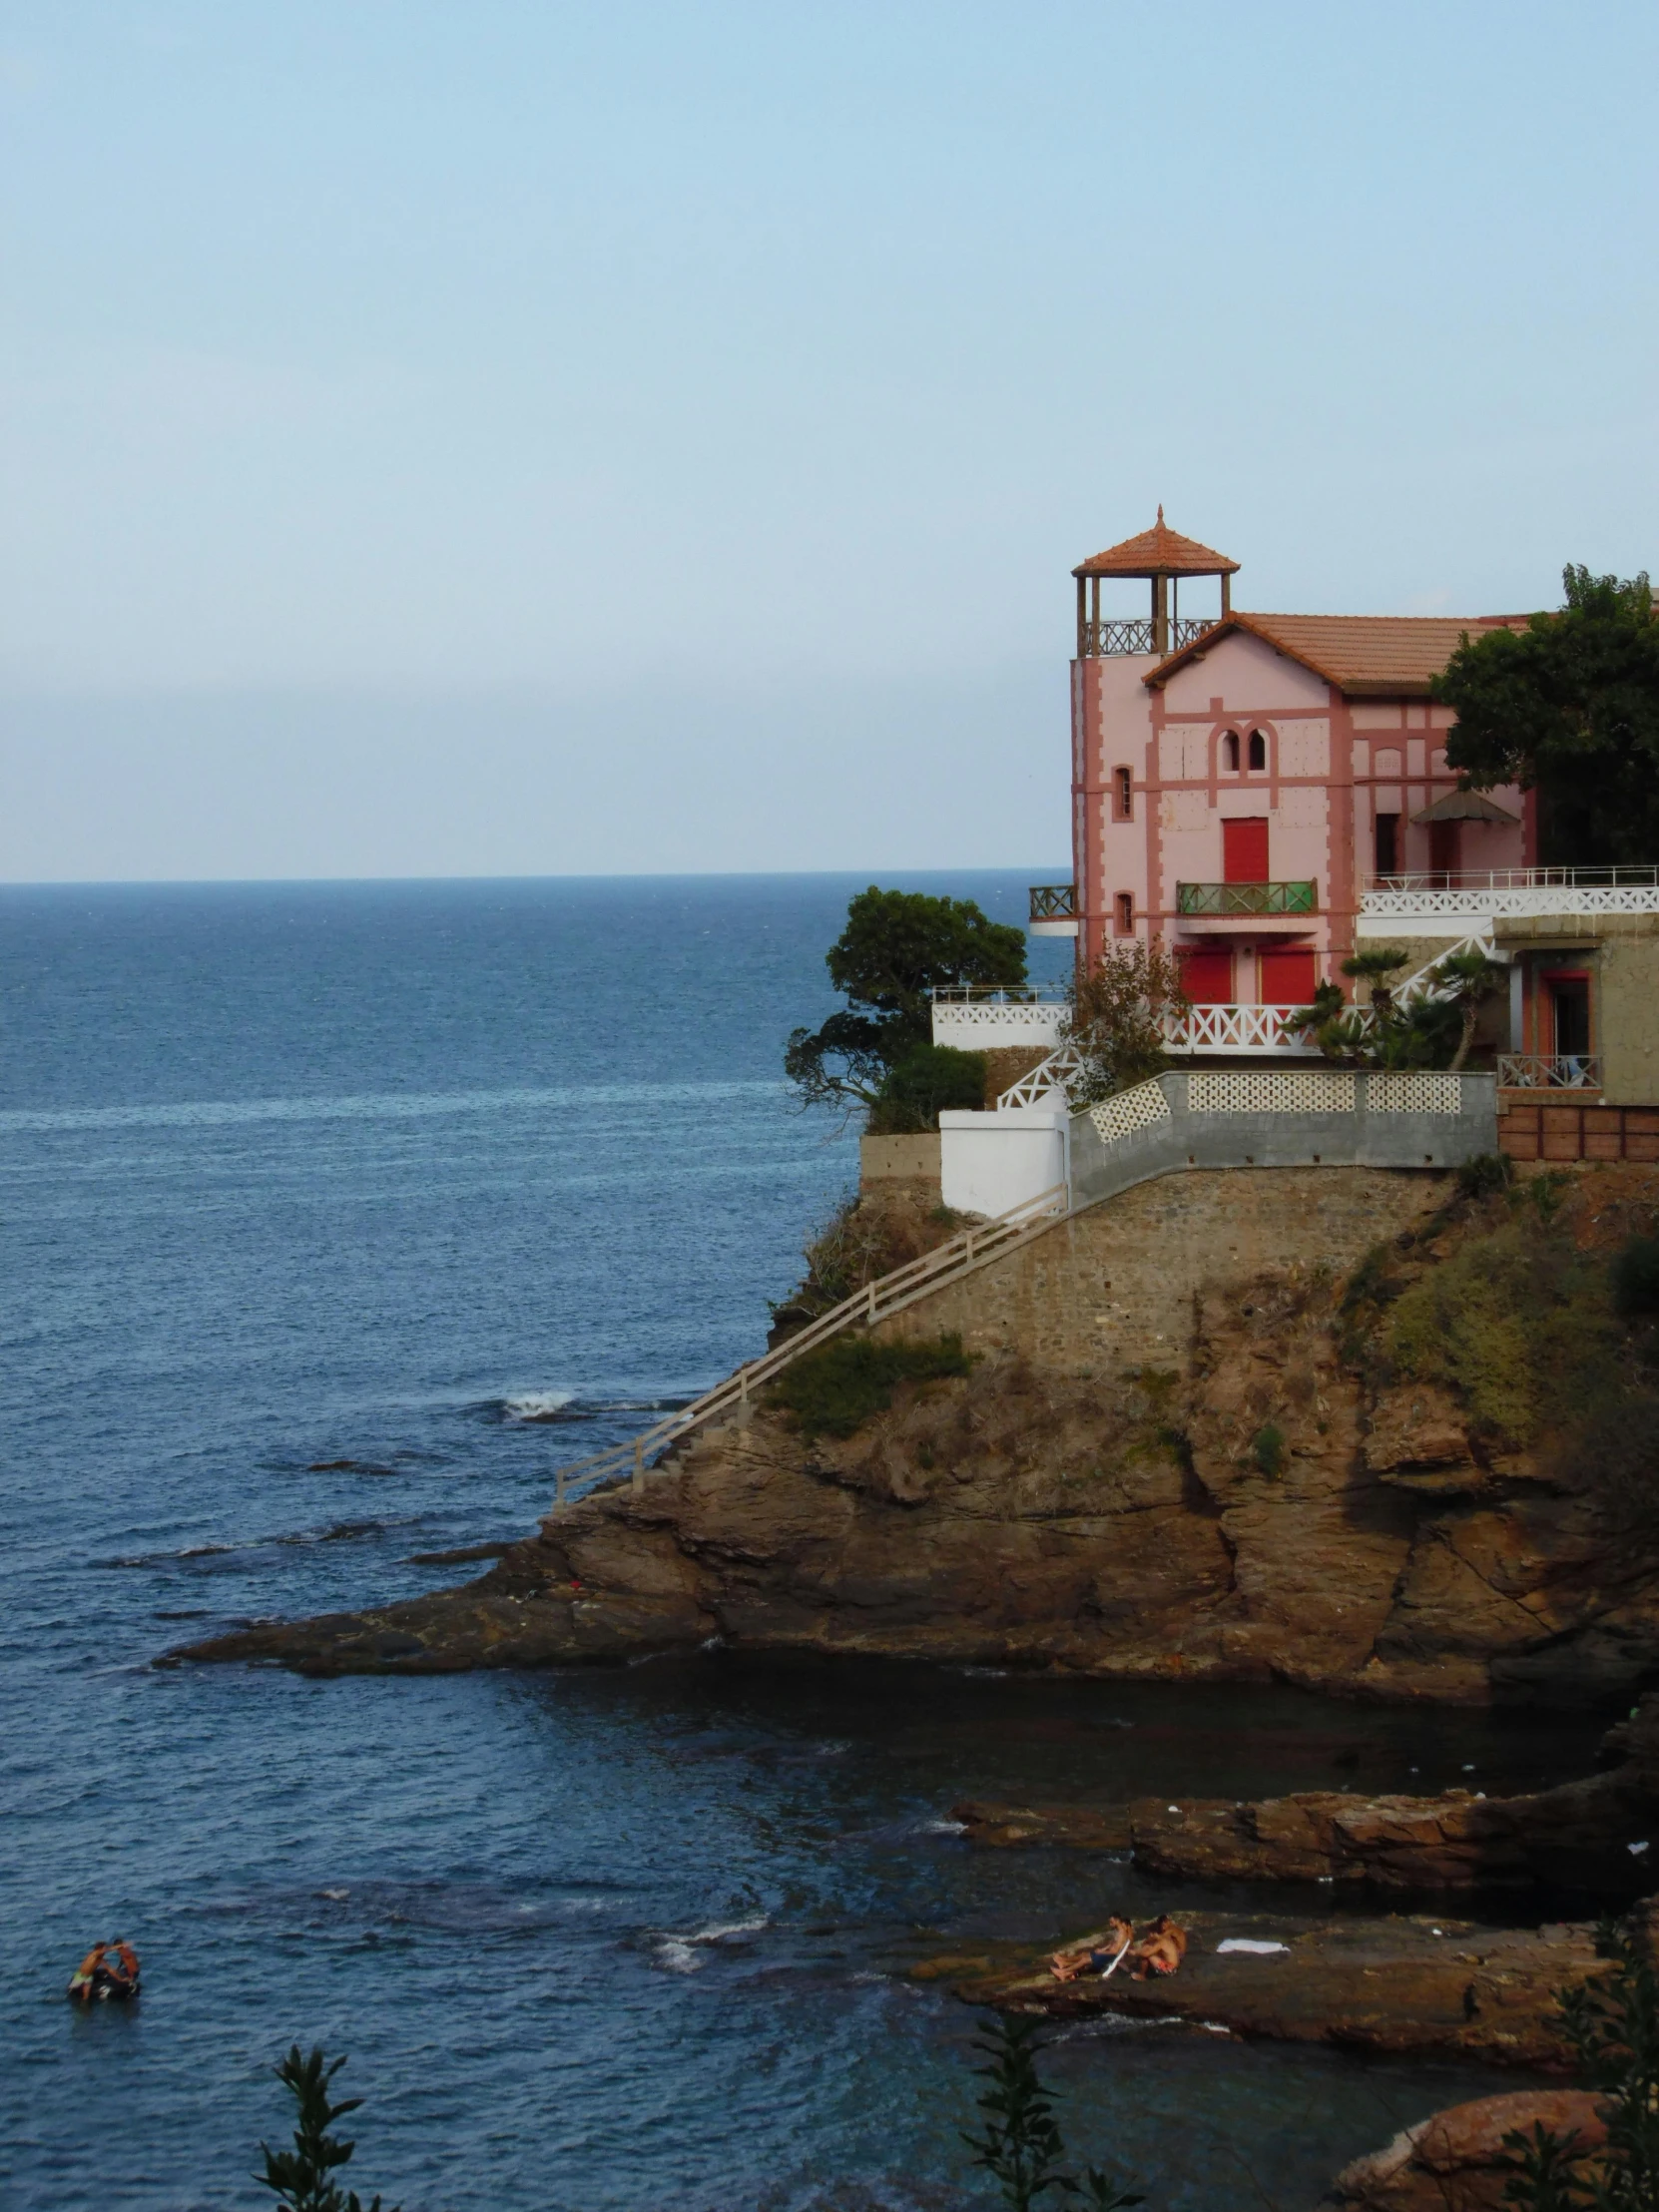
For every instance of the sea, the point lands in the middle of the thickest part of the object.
(334, 1217)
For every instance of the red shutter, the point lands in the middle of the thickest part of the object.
(1287, 976)
(1243, 846)
(1206, 974)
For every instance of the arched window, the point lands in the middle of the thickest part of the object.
(1126, 914)
(1123, 795)
(1229, 750)
(1258, 750)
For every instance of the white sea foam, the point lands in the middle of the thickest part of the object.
(537, 1404)
(689, 1953)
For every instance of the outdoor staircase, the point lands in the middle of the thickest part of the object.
(889, 1294)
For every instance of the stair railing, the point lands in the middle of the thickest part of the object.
(889, 1294)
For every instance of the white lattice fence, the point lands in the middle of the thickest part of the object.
(1271, 1091)
(1130, 1110)
(1422, 1092)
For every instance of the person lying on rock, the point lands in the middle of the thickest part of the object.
(1161, 1949)
(1095, 1954)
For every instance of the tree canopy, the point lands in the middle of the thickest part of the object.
(896, 949)
(1568, 707)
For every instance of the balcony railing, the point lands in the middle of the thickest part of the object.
(1549, 1071)
(1054, 902)
(1246, 898)
(1241, 1029)
(1517, 891)
(1103, 637)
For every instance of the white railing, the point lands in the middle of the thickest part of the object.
(1001, 994)
(1491, 897)
(889, 1294)
(1048, 1077)
(1518, 878)
(1234, 1029)
(1428, 982)
(1549, 1071)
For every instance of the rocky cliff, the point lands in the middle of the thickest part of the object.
(1336, 1427)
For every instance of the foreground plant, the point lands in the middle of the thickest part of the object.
(1021, 2147)
(1612, 2024)
(300, 2178)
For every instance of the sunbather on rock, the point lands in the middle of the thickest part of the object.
(1096, 1953)
(1159, 1951)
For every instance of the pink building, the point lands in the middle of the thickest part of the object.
(1239, 781)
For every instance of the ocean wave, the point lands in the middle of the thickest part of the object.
(538, 1405)
(690, 1953)
(209, 1113)
(336, 1532)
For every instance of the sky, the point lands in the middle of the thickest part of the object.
(514, 437)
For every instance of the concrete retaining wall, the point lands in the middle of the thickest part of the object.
(1113, 1287)
(898, 1159)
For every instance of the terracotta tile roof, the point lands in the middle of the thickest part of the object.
(1159, 551)
(1389, 656)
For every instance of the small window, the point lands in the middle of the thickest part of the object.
(1229, 750)
(1258, 750)
(1126, 914)
(1123, 795)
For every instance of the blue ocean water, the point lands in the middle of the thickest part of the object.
(334, 1216)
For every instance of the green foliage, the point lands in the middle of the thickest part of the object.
(896, 949)
(1486, 1175)
(1267, 1449)
(1020, 2145)
(299, 2179)
(1568, 707)
(1636, 1278)
(1612, 2024)
(1116, 1019)
(832, 1392)
(1374, 967)
(933, 1079)
(1518, 1323)
(1469, 979)
(1428, 1033)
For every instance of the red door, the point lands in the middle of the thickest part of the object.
(1207, 974)
(1243, 850)
(1442, 850)
(1287, 976)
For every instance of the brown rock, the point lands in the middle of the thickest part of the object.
(1455, 2161)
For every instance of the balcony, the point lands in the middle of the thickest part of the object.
(1101, 639)
(1430, 904)
(1549, 1071)
(1245, 1032)
(1054, 910)
(976, 1017)
(1221, 899)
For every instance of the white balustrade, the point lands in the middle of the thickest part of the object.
(1549, 1071)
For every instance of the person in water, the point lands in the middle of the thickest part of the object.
(1096, 1953)
(1161, 1949)
(108, 1970)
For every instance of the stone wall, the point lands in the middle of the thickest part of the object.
(1113, 1287)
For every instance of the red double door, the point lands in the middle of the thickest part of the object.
(1285, 975)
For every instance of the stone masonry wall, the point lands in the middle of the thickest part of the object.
(1113, 1287)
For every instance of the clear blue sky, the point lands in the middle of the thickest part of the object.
(511, 436)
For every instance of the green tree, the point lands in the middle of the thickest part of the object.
(300, 2179)
(928, 1081)
(1612, 2024)
(1568, 707)
(897, 949)
(1116, 1018)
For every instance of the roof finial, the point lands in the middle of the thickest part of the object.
(1160, 514)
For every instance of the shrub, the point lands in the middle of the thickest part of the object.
(931, 1080)
(299, 2179)
(1636, 1278)
(1612, 2024)
(832, 1392)
(1518, 1323)
(1485, 1176)
(1021, 2146)
(1267, 1449)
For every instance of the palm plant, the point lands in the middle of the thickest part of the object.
(1374, 967)
(1467, 981)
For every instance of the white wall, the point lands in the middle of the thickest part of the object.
(993, 1162)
